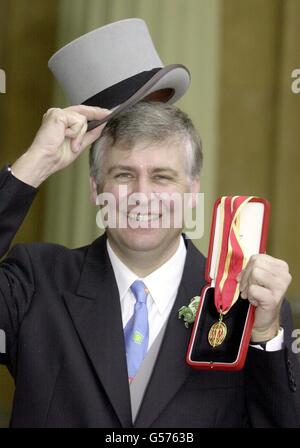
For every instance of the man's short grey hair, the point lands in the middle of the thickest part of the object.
(149, 123)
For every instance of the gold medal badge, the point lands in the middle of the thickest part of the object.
(217, 333)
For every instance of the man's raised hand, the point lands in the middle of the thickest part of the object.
(59, 141)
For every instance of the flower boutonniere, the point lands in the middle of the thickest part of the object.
(189, 312)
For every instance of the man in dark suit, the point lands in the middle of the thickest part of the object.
(64, 312)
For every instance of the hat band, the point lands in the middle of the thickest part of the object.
(120, 92)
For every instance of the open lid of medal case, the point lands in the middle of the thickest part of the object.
(231, 354)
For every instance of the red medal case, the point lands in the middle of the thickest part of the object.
(231, 354)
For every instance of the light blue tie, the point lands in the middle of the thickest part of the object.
(136, 332)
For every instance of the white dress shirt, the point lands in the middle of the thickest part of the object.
(162, 284)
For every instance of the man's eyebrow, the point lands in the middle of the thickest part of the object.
(161, 169)
(120, 167)
(165, 169)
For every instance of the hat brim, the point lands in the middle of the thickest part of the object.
(168, 85)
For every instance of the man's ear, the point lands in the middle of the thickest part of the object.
(93, 190)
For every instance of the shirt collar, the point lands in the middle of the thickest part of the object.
(124, 276)
(162, 283)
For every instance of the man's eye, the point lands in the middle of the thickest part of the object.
(123, 176)
(162, 177)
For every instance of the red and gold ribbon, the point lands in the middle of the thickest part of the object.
(231, 257)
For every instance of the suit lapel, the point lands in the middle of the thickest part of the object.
(171, 370)
(96, 313)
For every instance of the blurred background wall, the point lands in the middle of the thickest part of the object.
(241, 55)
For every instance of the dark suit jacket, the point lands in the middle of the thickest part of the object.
(60, 310)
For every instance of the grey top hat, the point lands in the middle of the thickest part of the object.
(116, 66)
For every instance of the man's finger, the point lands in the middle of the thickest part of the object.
(76, 143)
(76, 129)
(258, 295)
(92, 136)
(267, 262)
(271, 265)
(91, 113)
(262, 277)
(256, 276)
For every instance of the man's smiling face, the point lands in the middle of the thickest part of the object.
(146, 172)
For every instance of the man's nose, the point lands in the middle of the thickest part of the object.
(143, 185)
(141, 192)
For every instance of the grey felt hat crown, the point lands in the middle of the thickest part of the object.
(115, 66)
